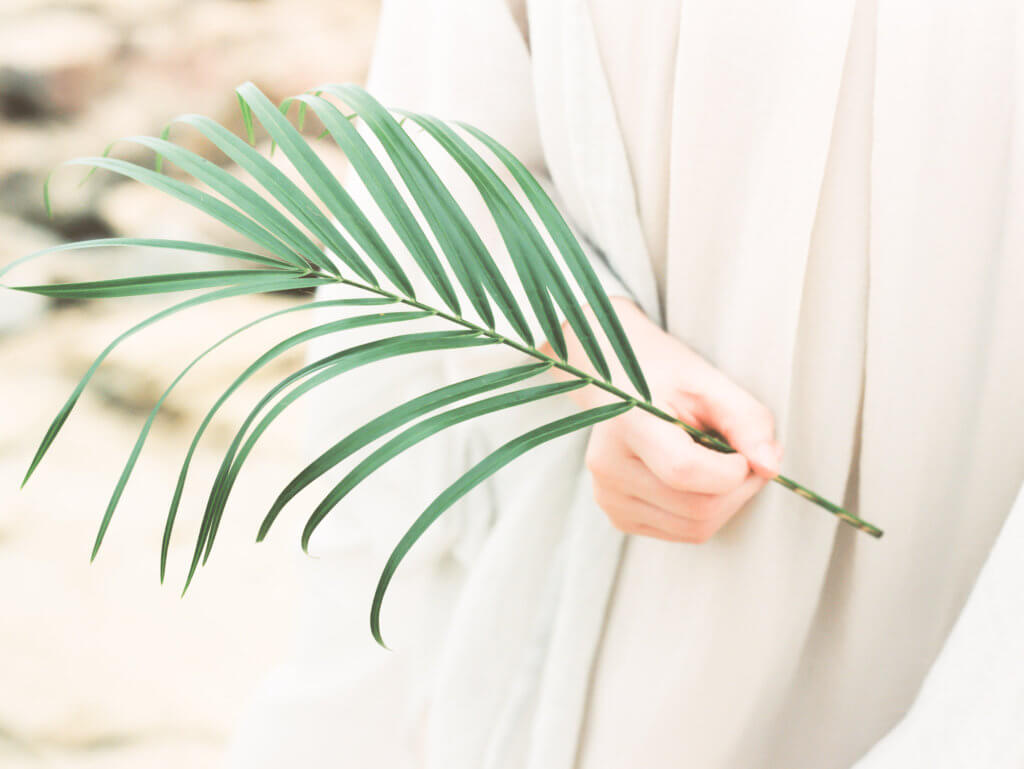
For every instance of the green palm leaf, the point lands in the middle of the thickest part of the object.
(276, 351)
(133, 458)
(174, 245)
(302, 241)
(336, 364)
(204, 202)
(574, 257)
(391, 420)
(530, 256)
(420, 432)
(256, 283)
(387, 197)
(283, 189)
(472, 263)
(474, 477)
(249, 201)
(322, 181)
(147, 284)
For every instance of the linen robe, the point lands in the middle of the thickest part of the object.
(825, 200)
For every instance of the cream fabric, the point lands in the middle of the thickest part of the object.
(971, 706)
(826, 201)
(677, 666)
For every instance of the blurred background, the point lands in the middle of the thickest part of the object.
(100, 665)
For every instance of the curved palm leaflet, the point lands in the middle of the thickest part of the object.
(329, 239)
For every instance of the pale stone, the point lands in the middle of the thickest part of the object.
(103, 652)
(100, 665)
(18, 238)
(54, 40)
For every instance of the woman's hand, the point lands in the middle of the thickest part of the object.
(649, 476)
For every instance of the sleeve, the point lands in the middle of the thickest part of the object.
(339, 694)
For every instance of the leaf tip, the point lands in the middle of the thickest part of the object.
(31, 470)
(47, 203)
(246, 110)
(375, 630)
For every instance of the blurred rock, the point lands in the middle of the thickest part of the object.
(17, 239)
(53, 40)
(72, 203)
(100, 665)
(24, 95)
(138, 371)
(165, 751)
(70, 66)
(101, 661)
(130, 13)
(19, 310)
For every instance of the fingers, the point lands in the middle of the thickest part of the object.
(681, 464)
(741, 419)
(695, 522)
(652, 479)
(644, 484)
(636, 516)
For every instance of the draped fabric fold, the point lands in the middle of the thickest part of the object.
(831, 212)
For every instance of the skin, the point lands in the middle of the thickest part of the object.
(649, 477)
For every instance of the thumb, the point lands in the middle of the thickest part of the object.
(745, 423)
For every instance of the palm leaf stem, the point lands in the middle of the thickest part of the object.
(703, 438)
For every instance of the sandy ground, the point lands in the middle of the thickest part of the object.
(100, 665)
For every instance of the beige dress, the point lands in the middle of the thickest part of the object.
(700, 661)
(759, 650)
(773, 650)
(823, 198)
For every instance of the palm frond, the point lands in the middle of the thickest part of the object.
(144, 433)
(423, 430)
(387, 197)
(475, 476)
(300, 240)
(387, 422)
(336, 364)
